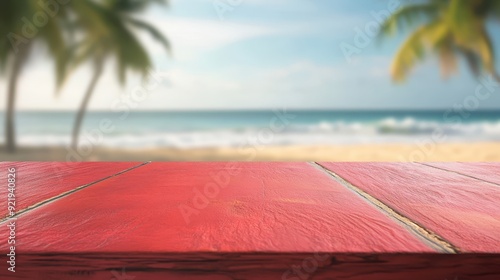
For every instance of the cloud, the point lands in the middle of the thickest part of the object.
(301, 83)
(304, 6)
(286, 85)
(192, 38)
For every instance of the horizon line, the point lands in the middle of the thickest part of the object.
(254, 110)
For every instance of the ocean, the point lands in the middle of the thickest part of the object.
(198, 129)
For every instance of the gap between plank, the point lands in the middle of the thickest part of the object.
(459, 173)
(64, 194)
(434, 240)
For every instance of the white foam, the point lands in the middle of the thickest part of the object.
(389, 130)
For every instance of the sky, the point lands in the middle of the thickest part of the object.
(258, 54)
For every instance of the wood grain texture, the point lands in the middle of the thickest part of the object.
(39, 181)
(485, 171)
(463, 210)
(258, 266)
(248, 207)
(255, 221)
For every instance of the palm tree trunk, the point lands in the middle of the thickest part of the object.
(85, 102)
(19, 60)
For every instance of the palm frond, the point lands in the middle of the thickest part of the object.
(130, 53)
(413, 49)
(495, 8)
(133, 56)
(155, 33)
(473, 61)
(484, 49)
(447, 58)
(132, 6)
(110, 33)
(463, 22)
(408, 16)
(90, 18)
(52, 35)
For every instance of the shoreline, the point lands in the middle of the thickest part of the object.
(469, 152)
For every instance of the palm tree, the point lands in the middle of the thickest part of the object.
(448, 28)
(22, 24)
(108, 28)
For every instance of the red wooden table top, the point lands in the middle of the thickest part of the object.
(232, 219)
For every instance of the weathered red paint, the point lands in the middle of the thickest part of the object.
(486, 171)
(39, 181)
(258, 221)
(259, 207)
(463, 210)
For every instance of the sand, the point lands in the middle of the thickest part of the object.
(468, 152)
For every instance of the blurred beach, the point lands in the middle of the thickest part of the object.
(450, 152)
(301, 80)
(278, 135)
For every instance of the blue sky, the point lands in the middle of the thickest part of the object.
(260, 54)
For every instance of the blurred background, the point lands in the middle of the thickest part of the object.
(389, 80)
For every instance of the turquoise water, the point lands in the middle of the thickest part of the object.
(232, 128)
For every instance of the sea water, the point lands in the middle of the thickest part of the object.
(197, 129)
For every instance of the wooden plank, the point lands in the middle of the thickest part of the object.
(201, 213)
(39, 181)
(256, 221)
(485, 171)
(179, 207)
(463, 210)
(270, 266)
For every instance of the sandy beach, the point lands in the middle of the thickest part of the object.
(467, 152)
